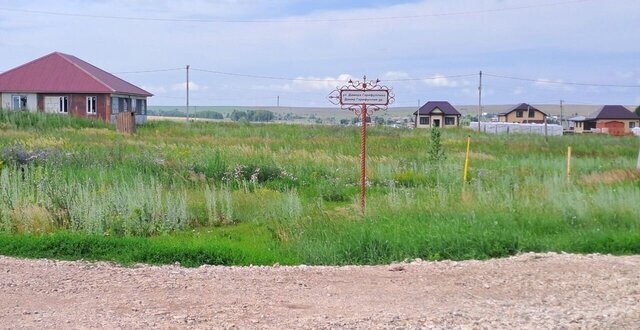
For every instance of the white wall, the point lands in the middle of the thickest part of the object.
(516, 128)
(32, 101)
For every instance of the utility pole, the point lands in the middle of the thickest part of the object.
(479, 101)
(187, 93)
(561, 114)
(278, 101)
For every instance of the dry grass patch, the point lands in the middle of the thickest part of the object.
(476, 155)
(611, 177)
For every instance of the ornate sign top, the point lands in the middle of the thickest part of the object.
(356, 94)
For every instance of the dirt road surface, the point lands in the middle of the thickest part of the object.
(528, 291)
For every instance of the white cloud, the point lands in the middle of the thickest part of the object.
(154, 89)
(470, 92)
(395, 75)
(391, 49)
(324, 84)
(624, 75)
(193, 87)
(518, 91)
(440, 81)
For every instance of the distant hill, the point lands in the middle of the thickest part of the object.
(399, 112)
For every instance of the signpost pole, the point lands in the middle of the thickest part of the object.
(363, 158)
(362, 96)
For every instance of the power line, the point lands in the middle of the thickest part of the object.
(560, 82)
(316, 20)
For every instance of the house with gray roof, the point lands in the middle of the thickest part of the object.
(437, 114)
(611, 119)
(523, 113)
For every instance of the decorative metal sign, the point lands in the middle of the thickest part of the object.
(360, 96)
(349, 97)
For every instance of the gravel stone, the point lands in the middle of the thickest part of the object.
(527, 291)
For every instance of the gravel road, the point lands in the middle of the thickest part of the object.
(537, 291)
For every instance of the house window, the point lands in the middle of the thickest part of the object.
(532, 113)
(519, 113)
(139, 106)
(424, 120)
(91, 105)
(115, 105)
(64, 105)
(450, 120)
(632, 124)
(19, 102)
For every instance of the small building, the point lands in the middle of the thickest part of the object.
(523, 113)
(437, 114)
(64, 84)
(612, 119)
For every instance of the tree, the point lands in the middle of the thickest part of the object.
(638, 110)
(236, 115)
(436, 153)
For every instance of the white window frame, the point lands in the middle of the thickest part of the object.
(64, 105)
(91, 104)
(19, 97)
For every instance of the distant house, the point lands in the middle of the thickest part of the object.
(616, 119)
(437, 114)
(522, 113)
(64, 84)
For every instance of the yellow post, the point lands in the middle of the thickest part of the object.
(466, 161)
(569, 163)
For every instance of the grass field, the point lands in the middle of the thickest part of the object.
(226, 193)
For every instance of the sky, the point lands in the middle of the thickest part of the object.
(424, 50)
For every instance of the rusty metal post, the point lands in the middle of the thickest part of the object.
(362, 97)
(363, 159)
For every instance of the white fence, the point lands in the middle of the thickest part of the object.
(515, 128)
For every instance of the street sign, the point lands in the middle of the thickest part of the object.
(368, 97)
(360, 96)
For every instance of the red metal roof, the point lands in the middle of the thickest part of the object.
(62, 73)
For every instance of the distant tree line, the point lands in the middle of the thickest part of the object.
(207, 114)
(252, 115)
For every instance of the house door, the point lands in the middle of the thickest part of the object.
(614, 127)
(436, 122)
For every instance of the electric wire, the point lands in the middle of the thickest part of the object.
(310, 20)
(559, 82)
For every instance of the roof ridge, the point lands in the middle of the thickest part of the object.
(66, 57)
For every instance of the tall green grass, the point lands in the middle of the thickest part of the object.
(36, 120)
(298, 185)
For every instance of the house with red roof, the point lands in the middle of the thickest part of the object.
(437, 114)
(611, 119)
(64, 84)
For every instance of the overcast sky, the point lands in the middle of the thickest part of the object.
(593, 41)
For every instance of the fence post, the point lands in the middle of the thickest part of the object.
(466, 161)
(569, 163)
